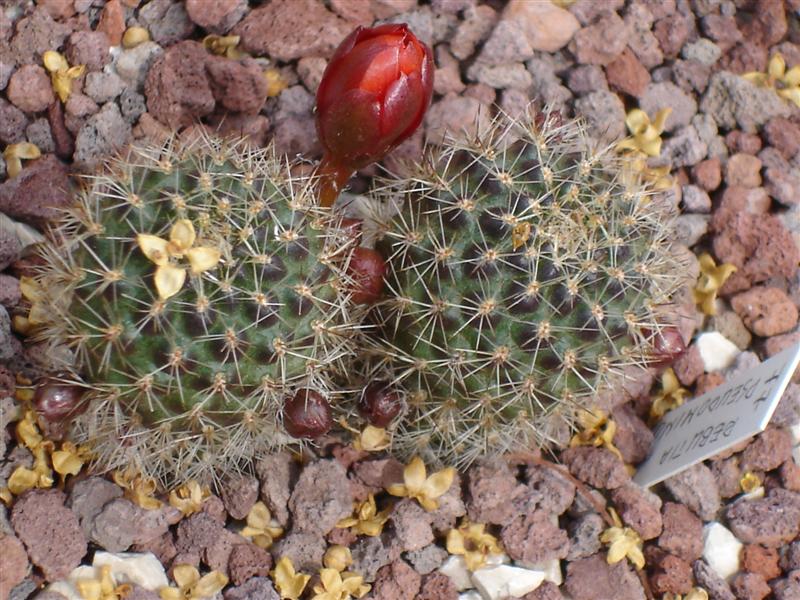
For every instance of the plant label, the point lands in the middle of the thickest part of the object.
(728, 414)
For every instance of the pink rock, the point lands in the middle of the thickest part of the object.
(790, 475)
(743, 58)
(321, 497)
(30, 90)
(743, 170)
(379, 473)
(671, 33)
(673, 575)
(50, 532)
(356, 11)
(293, 134)
(217, 17)
(476, 26)
(239, 494)
(15, 564)
(633, 437)
(743, 142)
(451, 507)
(214, 507)
(88, 497)
(258, 588)
(88, 48)
(217, 554)
(35, 35)
(197, 532)
(58, 9)
(770, 521)
(766, 311)
(278, 474)
(682, 533)
(547, 490)
(601, 42)
(12, 123)
(722, 30)
(736, 200)
(784, 135)
(697, 489)
(546, 27)
(239, 86)
(310, 70)
(289, 29)
(121, 523)
(162, 547)
(370, 554)
(766, 25)
(750, 586)
(246, 561)
(459, 116)
(639, 509)
(768, 450)
(112, 22)
(707, 174)
(533, 538)
(10, 294)
(727, 474)
(596, 466)
(437, 586)
(412, 525)
(594, 578)
(626, 74)
(492, 491)
(760, 246)
(760, 560)
(396, 581)
(62, 138)
(689, 366)
(38, 191)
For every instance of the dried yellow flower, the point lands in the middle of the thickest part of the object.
(366, 519)
(416, 484)
(189, 497)
(597, 430)
(224, 45)
(785, 83)
(635, 171)
(69, 460)
(711, 279)
(134, 36)
(169, 279)
(695, 594)
(622, 542)
(290, 585)
(102, 588)
(749, 482)
(15, 153)
(61, 74)
(275, 82)
(473, 542)
(671, 396)
(372, 439)
(138, 489)
(337, 557)
(334, 585)
(645, 136)
(520, 234)
(259, 526)
(191, 586)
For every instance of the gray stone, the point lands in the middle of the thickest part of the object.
(133, 64)
(167, 21)
(12, 123)
(476, 25)
(321, 497)
(668, 95)
(40, 135)
(372, 553)
(6, 347)
(584, 79)
(695, 199)
(88, 497)
(102, 87)
(132, 105)
(708, 579)
(604, 114)
(684, 148)
(506, 44)
(510, 75)
(697, 488)
(690, 228)
(703, 51)
(103, 134)
(419, 21)
(257, 588)
(547, 86)
(730, 325)
(427, 559)
(733, 101)
(457, 116)
(584, 536)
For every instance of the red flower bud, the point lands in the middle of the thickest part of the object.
(373, 95)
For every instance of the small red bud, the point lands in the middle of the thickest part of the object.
(667, 345)
(367, 268)
(307, 415)
(379, 404)
(57, 401)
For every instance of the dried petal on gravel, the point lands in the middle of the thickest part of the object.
(682, 532)
(596, 466)
(321, 497)
(771, 521)
(594, 578)
(639, 509)
(50, 531)
(534, 539)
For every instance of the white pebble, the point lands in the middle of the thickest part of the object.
(143, 569)
(795, 431)
(716, 351)
(470, 595)
(721, 549)
(66, 587)
(496, 583)
(456, 569)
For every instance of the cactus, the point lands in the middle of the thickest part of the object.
(527, 268)
(199, 291)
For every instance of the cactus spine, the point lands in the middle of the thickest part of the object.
(526, 270)
(188, 359)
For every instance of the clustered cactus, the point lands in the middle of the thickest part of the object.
(202, 294)
(525, 273)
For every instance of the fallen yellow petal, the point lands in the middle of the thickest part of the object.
(154, 248)
(202, 259)
(169, 280)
